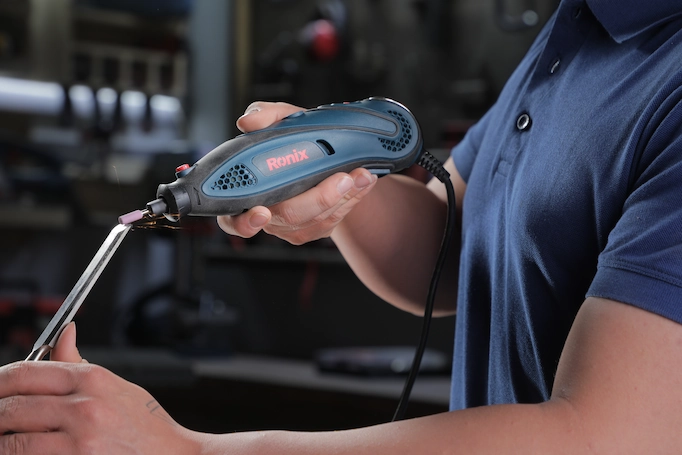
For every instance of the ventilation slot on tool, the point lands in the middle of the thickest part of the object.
(405, 136)
(326, 146)
(238, 176)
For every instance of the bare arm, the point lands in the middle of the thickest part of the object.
(392, 238)
(618, 390)
(389, 230)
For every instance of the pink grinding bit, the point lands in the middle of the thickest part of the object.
(131, 217)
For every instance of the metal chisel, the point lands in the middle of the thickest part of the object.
(73, 301)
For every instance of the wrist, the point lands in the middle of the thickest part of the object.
(246, 443)
(197, 443)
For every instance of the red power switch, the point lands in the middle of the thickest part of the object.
(182, 170)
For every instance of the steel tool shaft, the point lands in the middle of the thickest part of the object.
(73, 301)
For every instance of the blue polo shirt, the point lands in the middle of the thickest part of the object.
(574, 189)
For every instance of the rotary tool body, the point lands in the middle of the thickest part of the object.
(291, 156)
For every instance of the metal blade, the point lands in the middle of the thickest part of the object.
(80, 291)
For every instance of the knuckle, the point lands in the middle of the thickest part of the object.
(84, 376)
(289, 215)
(9, 406)
(17, 372)
(334, 218)
(326, 200)
(94, 374)
(90, 410)
(327, 220)
(14, 444)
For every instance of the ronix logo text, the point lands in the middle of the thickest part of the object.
(279, 162)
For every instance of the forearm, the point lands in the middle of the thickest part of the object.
(617, 390)
(391, 240)
(549, 428)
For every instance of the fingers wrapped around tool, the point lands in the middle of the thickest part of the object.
(314, 214)
(41, 378)
(32, 413)
(311, 215)
(97, 411)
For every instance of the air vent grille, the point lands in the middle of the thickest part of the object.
(395, 145)
(238, 176)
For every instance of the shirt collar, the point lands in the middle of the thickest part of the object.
(625, 19)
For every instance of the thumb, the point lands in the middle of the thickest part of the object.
(262, 114)
(65, 350)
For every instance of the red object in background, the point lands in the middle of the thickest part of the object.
(43, 305)
(6, 307)
(48, 305)
(22, 315)
(322, 39)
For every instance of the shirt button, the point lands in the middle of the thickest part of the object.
(523, 122)
(554, 66)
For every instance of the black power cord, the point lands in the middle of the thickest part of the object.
(431, 164)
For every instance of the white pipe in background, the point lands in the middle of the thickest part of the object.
(31, 97)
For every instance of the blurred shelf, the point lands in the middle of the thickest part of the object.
(143, 366)
(122, 19)
(274, 254)
(302, 374)
(39, 217)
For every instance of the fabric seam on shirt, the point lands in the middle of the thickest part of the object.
(657, 275)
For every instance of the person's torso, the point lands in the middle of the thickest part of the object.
(549, 182)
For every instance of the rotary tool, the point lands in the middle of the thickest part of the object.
(276, 163)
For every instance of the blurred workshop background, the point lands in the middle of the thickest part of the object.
(100, 100)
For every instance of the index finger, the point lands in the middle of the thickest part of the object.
(40, 378)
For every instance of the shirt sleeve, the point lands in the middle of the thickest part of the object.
(642, 261)
(464, 154)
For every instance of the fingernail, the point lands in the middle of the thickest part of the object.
(344, 185)
(251, 110)
(258, 220)
(363, 181)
